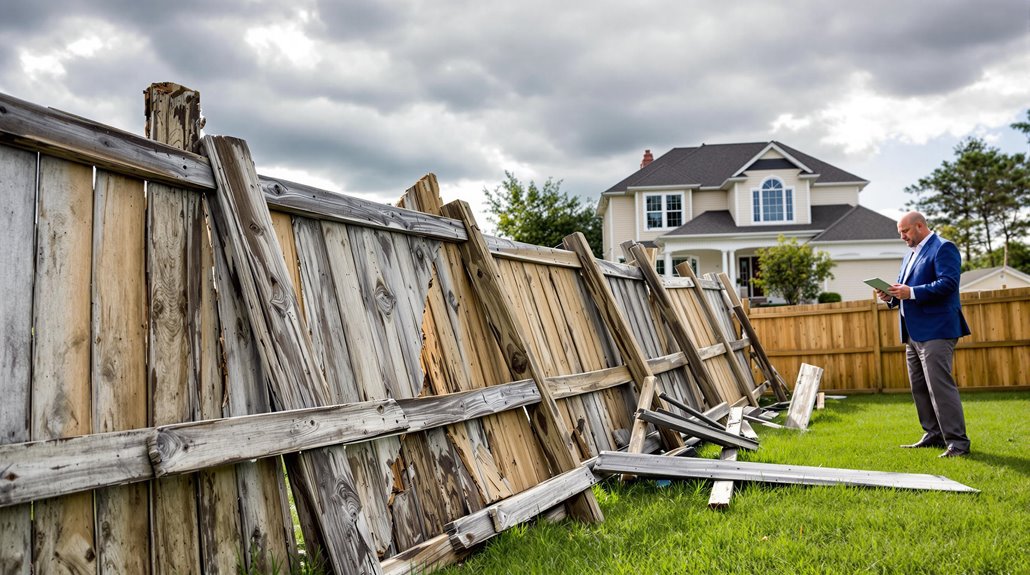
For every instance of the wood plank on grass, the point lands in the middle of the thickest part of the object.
(683, 468)
(803, 400)
(722, 490)
(702, 430)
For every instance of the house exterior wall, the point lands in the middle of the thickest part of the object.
(996, 281)
(848, 276)
(641, 213)
(829, 195)
(704, 201)
(744, 208)
(619, 225)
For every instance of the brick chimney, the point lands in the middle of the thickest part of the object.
(648, 158)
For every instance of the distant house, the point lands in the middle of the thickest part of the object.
(998, 277)
(714, 205)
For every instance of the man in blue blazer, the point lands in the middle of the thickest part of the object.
(931, 323)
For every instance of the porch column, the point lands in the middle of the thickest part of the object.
(731, 269)
(667, 258)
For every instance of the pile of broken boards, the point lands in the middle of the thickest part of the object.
(737, 433)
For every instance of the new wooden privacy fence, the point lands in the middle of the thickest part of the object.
(178, 330)
(858, 344)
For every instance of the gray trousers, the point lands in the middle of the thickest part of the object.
(935, 392)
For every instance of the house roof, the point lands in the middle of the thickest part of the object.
(721, 222)
(975, 276)
(860, 223)
(710, 165)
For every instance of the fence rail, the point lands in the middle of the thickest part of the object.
(859, 346)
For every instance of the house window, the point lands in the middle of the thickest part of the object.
(772, 202)
(659, 265)
(663, 210)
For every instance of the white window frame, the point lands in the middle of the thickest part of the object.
(758, 218)
(665, 211)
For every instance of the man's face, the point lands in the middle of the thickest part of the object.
(910, 232)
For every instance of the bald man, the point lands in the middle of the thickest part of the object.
(931, 323)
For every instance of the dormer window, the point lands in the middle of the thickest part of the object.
(663, 210)
(773, 202)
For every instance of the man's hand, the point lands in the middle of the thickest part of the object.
(900, 291)
(884, 296)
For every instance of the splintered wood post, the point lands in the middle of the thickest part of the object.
(803, 400)
(172, 113)
(621, 332)
(742, 378)
(674, 321)
(547, 421)
(770, 373)
(322, 476)
(722, 490)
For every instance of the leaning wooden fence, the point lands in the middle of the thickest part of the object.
(178, 330)
(858, 344)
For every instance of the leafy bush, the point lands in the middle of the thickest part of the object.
(829, 297)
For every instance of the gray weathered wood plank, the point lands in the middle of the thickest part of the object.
(17, 235)
(803, 399)
(702, 430)
(680, 468)
(199, 445)
(722, 490)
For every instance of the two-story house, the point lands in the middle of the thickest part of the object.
(714, 205)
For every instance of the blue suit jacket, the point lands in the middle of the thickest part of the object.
(936, 312)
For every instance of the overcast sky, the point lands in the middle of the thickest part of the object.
(365, 97)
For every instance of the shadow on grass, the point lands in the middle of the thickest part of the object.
(1020, 465)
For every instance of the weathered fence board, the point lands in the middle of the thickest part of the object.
(119, 360)
(61, 351)
(17, 235)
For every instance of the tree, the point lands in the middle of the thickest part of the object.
(981, 196)
(1023, 126)
(541, 215)
(793, 271)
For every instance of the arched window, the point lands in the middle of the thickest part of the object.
(773, 202)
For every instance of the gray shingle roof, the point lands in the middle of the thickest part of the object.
(711, 165)
(860, 223)
(721, 222)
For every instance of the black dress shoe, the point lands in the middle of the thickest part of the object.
(927, 443)
(954, 452)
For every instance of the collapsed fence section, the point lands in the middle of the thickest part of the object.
(179, 329)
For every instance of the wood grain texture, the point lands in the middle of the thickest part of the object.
(119, 361)
(64, 527)
(322, 476)
(803, 399)
(17, 235)
(547, 423)
(49, 131)
(722, 491)
(688, 467)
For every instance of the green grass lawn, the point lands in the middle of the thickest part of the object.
(794, 529)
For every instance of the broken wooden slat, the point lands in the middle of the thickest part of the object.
(682, 468)
(546, 419)
(690, 410)
(701, 430)
(475, 528)
(742, 376)
(722, 490)
(322, 476)
(622, 334)
(778, 385)
(803, 400)
(424, 557)
(675, 323)
(193, 446)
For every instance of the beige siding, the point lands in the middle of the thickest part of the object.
(848, 276)
(996, 281)
(620, 227)
(709, 201)
(829, 195)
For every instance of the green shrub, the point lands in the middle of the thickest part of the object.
(829, 297)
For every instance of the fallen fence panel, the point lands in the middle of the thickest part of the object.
(682, 468)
